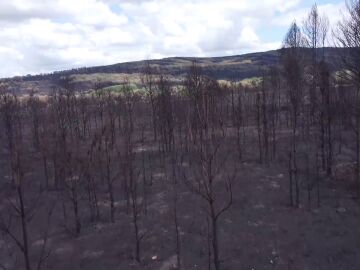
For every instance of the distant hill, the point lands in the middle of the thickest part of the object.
(238, 67)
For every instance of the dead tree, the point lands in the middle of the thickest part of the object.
(148, 80)
(262, 120)
(175, 195)
(293, 73)
(21, 203)
(238, 118)
(194, 86)
(165, 114)
(259, 126)
(34, 106)
(107, 150)
(274, 114)
(205, 186)
(9, 106)
(45, 147)
(130, 171)
(209, 164)
(326, 121)
(315, 31)
(16, 140)
(71, 159)
(347, 36)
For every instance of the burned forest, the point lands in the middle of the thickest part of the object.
(190, 172)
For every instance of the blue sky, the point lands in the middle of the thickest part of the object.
(39, 36)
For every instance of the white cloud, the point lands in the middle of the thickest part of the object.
(10, 53)
(46, 35)
(332, 11)
(90, 12)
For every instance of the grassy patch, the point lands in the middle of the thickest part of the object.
(121, 88)
(253, 81)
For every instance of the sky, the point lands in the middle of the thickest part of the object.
(40, 36)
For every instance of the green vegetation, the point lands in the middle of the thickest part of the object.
(253, 81)
(120, 88)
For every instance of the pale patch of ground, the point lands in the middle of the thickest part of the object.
(169, 264)
(65, 249)
(92, 254)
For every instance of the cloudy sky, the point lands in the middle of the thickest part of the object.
(39, 36)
